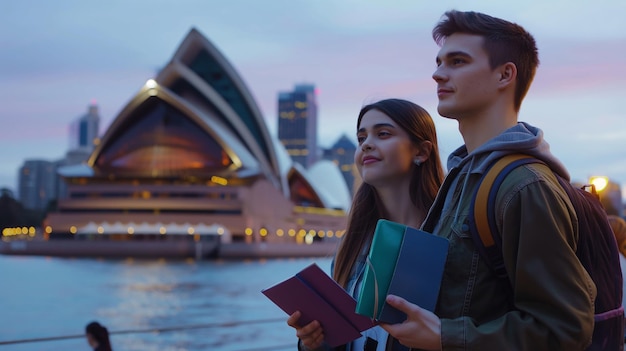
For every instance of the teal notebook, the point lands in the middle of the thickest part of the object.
(403, 261)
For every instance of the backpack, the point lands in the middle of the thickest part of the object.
(597, 248)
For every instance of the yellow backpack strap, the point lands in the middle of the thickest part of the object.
(482, 209)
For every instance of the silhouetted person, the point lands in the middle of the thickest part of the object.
(98, 337)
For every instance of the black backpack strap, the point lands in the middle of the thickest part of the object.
(482, 218)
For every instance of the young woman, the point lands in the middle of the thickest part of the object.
(98, 337)
(398, 160)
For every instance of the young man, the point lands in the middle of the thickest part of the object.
(484, 69)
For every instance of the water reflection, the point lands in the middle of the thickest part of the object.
(210, 301)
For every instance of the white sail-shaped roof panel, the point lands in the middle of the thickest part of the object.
(285, 163)
(328, 181)
(182, 81)
(206, 61)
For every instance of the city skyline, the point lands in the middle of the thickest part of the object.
(64, 55)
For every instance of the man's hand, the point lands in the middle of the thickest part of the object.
(421, 329)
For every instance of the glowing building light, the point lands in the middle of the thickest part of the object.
(219, 180)
(248, 231)
(263, 232)
(162, 230)
(308, 239)
(291, 232)
(190, 230)
(48, 229)
(220, 231)
(73, 229)
(131, 230)
(151, 84)
(280, 232)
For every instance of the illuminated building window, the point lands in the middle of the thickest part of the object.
(162, 140)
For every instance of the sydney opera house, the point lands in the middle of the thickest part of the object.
(188, 167)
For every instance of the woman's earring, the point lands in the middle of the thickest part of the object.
(417, 162)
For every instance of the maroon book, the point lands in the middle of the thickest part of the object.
(318, 297)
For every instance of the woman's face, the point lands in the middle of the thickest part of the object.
(385, 153)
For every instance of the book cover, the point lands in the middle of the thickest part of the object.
(410, 267)
(382, 257)
(318, 297)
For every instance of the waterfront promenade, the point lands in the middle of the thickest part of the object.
(164, 249)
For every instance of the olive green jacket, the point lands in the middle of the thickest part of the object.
(547, 304)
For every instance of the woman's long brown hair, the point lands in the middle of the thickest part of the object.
(367, 208)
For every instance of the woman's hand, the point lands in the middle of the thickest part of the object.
(311, 335)
(421, 329)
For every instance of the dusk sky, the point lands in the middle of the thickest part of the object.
(58, 56)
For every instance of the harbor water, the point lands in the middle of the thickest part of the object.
(190, 305)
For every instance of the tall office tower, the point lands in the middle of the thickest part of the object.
(37, 184)
(83, 139)
(84, 130)
(297, 123)
(342, 154)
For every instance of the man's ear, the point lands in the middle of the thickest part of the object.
(508, 74)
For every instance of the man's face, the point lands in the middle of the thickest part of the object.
(466, 84)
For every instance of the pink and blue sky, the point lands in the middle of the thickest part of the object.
(58, 56)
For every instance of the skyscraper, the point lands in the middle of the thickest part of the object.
(84, 130)
(84, 138)
(37, 184)
(297, 123)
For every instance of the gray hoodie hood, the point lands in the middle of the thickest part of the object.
(521, 138)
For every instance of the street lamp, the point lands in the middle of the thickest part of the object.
(599, 182)
(610, 194)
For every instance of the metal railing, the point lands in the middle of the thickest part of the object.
(164, 330)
